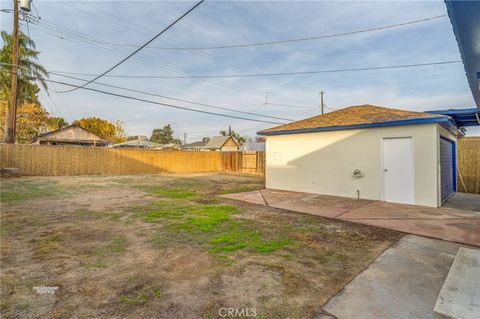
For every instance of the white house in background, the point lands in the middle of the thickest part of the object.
(368, 152)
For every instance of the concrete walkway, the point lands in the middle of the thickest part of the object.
(457, 225)
(464, 201)
(404, 282)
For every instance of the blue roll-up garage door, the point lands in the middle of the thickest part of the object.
(447, 168)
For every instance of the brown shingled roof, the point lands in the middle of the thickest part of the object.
(353, 115)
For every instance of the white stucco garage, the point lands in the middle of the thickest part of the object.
(368, 152)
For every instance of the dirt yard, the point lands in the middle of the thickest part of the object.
(167, 246)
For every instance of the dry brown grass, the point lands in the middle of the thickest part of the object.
(155, 253)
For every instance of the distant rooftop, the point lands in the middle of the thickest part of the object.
(215, 142)
(137, 143)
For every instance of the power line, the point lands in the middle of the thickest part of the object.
(157, 103)
(291, 105)
(116, 53)
(143, 30)
(158, 95)
(244, 45)
(77, 37)
(60, 98)
(175, 99)
(141, 47)
(272, 74)
(62, 101)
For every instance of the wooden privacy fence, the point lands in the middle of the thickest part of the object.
(247, 162)
(40, 160)
(468, 164)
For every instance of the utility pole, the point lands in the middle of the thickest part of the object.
(185, 138)
(10, 122)
(322, 106)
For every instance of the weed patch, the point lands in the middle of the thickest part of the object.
(48, 244)
(241, 189)
(173, 193)
(102, 254)
(214, 227)
(24, 190)
(206, 217)
(166, 210)
(35, 189)
(141, 297)
(239, 238)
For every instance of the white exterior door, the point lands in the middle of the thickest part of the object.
(398, 170)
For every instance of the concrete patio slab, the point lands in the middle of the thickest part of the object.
(460, 294)
(249, 197)
(315, 204)
(464, 201)
(404, 282)
(450, 224)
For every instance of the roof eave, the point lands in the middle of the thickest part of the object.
(464, 17)
(359, 126)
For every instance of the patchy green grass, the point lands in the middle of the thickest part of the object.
(21, 190)
(242, 189)
(96, 264)
(102, 254)
(173, 193)
(206, 217)
(47, 244)
(113, 216)
(212, 226)
(238, 237)
(106, 215)
(185, 254)
(24, 190)
(163, 210)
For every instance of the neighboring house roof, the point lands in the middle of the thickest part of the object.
(169, 145)
(253, 146)
(137, 143)
(199, 144)
(356, 117)
(215, 142)
(70, 133)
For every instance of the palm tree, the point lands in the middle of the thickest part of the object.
(27, 88)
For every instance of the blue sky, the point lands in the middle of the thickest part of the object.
(71, 36)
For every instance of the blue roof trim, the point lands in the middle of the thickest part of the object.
(455, 111)
(441, 120)
(464, 17)
(462, 117)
